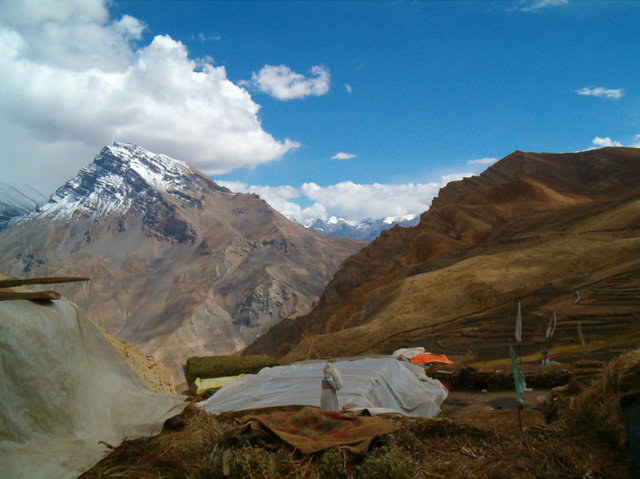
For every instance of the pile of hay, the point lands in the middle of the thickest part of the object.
(598, 407)
(488, 446)
(154, 374)
(219, 366)
(501, 377)
(480, 444)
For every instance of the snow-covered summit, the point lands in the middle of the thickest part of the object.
(120, 175)
(367, 229)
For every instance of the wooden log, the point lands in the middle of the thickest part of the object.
(33, 295)
(10, 283)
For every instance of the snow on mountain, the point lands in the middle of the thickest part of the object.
(120, 176)
(404, 220)
(366, 230)
(123, 176)
(178, 265)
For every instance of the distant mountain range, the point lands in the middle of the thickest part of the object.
(554, 232)
(178, 264)
(19, 200)
(365, 230)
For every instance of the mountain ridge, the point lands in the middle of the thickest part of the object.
(522, 201)
(178, 264)
(124, 171)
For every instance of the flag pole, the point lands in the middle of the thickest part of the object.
(551, 328)
(520, 416)
(580, 335)
(518, 382)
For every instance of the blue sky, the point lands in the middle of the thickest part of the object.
(355, 109)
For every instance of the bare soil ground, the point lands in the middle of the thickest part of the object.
(461, 403)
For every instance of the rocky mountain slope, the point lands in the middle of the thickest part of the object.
(178, 265)
(533, 228)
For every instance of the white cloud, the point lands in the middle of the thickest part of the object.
(284, 84)
(129, 27)
(614, 94)
(454, 177)
(266, 192)
(33, 12)
(348, 87)
(602, 142)
(279, 197)
(538, 4)
(482, 161)
(356, 201)
(343, 156)
(205, 38)
(74, 81)
(347, 199)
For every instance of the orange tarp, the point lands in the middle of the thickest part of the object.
(424, 358)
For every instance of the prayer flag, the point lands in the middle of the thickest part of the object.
(584, 345)
(518, 377)
(552, 325)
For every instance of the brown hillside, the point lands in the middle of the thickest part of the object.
(532, 228)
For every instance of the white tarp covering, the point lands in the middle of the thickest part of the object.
(377, 384)
(65, 388)
(408, 353)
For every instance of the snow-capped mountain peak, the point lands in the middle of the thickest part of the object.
(118, 176)
(366, 229)
(334, 220)
(157, 170)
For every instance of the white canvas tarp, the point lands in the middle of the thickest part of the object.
(64, 388)
(377, 384)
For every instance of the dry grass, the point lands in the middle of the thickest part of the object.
(484, 444)
(599, 406)
(628, 339)
(583, 443)
(434, 448)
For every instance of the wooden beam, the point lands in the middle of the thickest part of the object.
(37, 295)
(10, 283)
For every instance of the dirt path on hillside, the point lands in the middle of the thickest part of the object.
(461, 402)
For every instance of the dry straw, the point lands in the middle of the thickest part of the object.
(598, 407)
